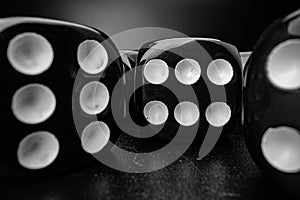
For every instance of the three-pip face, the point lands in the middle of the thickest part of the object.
(40, 60)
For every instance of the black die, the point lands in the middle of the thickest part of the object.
(40, 61)
(271, 98)
(209, 68)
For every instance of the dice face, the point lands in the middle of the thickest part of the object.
(270, 102)
(182, 64)
(40, 61)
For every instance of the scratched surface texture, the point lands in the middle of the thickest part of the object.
(228, 172)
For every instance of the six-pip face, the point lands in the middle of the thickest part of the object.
(174, 67)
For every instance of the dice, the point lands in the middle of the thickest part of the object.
(271, 93)
(57, 78)
(188, 82)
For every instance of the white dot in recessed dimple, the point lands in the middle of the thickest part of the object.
(218, 114)
(220, 72)
(33, 103)
(92, 56)
(283, 65)
(186, 113)
(281, 148)
(94, 98)
(38, 150)
(187, 71)
(95, 136)
(156, 71)
(156, 112)
(30, 53)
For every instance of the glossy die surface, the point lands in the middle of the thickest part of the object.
(40, 60)
(175, 67)
(271, 96)
(128, 58)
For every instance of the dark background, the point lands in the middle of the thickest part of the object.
(235, 21)
(228, 172)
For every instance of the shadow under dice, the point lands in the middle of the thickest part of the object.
(271, 97)
(207, 68)
(40, 59)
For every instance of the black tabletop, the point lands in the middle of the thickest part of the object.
(228, 172)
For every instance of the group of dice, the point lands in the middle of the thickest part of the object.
(56, 73)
